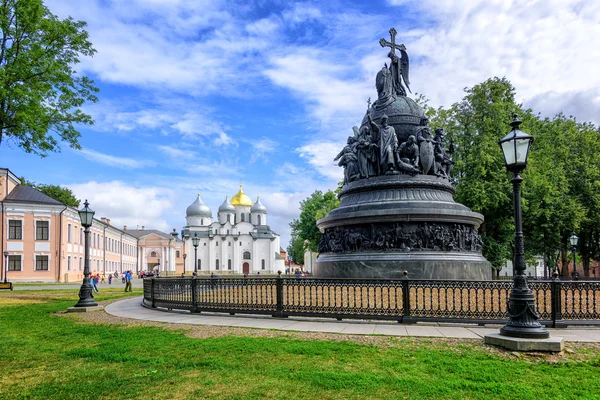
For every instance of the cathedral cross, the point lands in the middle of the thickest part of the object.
(369, 103)
(392, 44)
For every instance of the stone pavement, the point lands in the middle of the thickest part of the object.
(132, 308)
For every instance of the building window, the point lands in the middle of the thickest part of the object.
(177, 253)
(216, 264)
(14, 263)
(229, 218)
(205, 243)
(229, 244)
(68, 263)
(199, 264)
(243, 218)
(260, 219)
(217, 244)
(80, 235)
(41, 263)
(202, 221)
(262, 264)
(42, 230)
(69, 238)
(246, 255)
(229, 264)
(240, 242)
(153, 254)
(15, 229)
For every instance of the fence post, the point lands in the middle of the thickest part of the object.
(152, 293)
(279, 294)
(194, 294)
(556, 299)
(406, 317)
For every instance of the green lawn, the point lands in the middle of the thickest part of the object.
(47, 356)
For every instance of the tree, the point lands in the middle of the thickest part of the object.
(305, 233)
(64, 195)
(40, 93)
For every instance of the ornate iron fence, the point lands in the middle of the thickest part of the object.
(559, 303)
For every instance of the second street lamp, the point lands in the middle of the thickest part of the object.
(195, 242)
(574, 240)
(523, 317)
(86, 297)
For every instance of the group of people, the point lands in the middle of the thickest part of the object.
(374, 150)
(125, 279)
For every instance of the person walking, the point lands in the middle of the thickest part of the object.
(127, 277)
(110, 279)
(94, 281)
(103, 279)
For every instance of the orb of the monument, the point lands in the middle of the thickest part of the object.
(404, 114)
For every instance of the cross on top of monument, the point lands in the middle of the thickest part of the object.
(392, 44)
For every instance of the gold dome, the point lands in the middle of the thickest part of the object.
(241, 199)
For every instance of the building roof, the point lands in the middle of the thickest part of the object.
(138, 233)
(28, 194)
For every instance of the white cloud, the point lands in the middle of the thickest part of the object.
(124, 204)
(114, 161)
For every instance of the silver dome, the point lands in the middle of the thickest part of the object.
(198, 209)
(227, 207)
(258, 207)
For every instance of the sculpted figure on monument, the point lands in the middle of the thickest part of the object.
(399, 65)
(443, 159)
(349, 160)
(367, 154)
(426, 151)
(408, 156)
(388, 142)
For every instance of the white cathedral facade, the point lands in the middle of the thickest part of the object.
(239, 241)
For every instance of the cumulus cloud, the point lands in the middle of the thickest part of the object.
(114, 161)
(124, 204)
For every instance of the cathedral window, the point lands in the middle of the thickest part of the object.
(216, 264)
(217, 244)
(262, 264)
(229, 244)
(240, 242)
(246, 255)
(228, 217)
(153, 254)
(199, 264)
(260, 219)
(229, 264)
(243, 217)
(202, 222)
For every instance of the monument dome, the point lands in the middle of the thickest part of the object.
(226, 207)
(258, 207)
(241, 199)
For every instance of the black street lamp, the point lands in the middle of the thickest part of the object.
(195, 242)
(86, 297)
(184, 257)
(523, 317)
(5, 265)
(574, 240)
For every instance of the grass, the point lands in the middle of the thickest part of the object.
(48, 356)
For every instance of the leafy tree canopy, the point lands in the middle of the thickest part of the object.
(40, 93)
(64, 195)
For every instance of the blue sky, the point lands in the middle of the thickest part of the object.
(205, 95)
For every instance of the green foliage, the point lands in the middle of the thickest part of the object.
(40, 93)
(305, 234)
(64, 195)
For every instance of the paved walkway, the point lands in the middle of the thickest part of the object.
(132, 308)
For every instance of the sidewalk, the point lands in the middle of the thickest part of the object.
(132, 308)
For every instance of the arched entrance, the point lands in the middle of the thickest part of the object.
(246, 268)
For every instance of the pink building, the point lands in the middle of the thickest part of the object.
(44, 240)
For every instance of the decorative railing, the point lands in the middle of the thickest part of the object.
(559, 303)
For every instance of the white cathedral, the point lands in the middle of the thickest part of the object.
(238, 242)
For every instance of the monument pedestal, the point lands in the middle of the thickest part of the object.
(552, 344)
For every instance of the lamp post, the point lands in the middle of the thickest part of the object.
(195, 242)
(86, 297)
(5, 265)
(574, 240)
(523, 317)
(184, 257)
